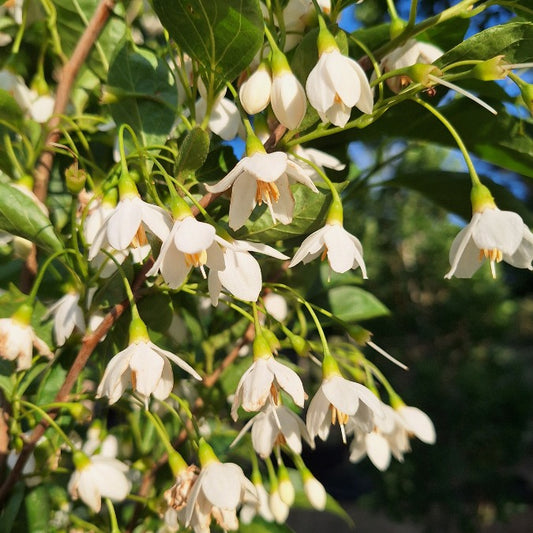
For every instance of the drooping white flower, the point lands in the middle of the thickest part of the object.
(217, 492)
(67, 316)
(337, 83)
(275, 425)
(276, 306)
(343, 250)
(390, 435)
(493, 235)
(318, 157)
(17, 338)
(143, 365)
(280, 510)
(262, 178)
(98, 477)
(314, 490)
(256, 384)
(408, 54)
(241, 274)
(336, 400)
(189, 243)
(254, 93)
(259, 505)
(224, 120)
(38, 107)
(124, 228)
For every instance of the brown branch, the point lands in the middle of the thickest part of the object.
(68, 75)
(88, 345)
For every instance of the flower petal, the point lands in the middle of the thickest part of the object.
(242, 200)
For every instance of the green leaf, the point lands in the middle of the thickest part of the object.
(514, 40)
(72, 19)
(501, 139)
(21, 216)
(146, 94)
(222, 35)
(193, 151)
(258, 525)
(352, 304)
(7, 378)
(451, 190)
(309, 214)
(37, 504)
(10, 111)
(10, 511)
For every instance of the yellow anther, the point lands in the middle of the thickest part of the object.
(197, 260)
(266, 192)
(139, 239)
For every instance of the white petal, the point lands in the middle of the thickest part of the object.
(284, 207)
(124, 223)
(222, 484)
(378, 450)
(166, 382)
(419, 423)
(343, 77)
(178, 361)
(264, 434)
(88, 489)
(148, 367)
(227, 181)
(316, 413)
(288, 380)
(342, 394)
(267, 167)
(256, 386)
(241, 275)
(501, 230)
(157, 220)
(288, 100)
(193, 237)
(242, 200)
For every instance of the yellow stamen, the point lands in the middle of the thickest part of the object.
(337, 99)
(139, 239)
(491, 255)
(133, 379)
(266, 192)
(324, 254)
(275, 394)
(197, 260)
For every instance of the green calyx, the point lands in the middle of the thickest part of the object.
(395, 401)
(335, 213)
(490, 70)
(127, 187)
(397, 25)
(110, 197)
(206, 455)
(261, 347)
(177, 463)
(325, 42)
(481, 199)
(330, 367)
(23, 314)
(80, 460)
(138, 331)
(254, 145)
(279, 63)
(360, 335)
(420, 72)
(179, 208)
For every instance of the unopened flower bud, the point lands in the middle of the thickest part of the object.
(285, 487)
(273, 341)
(254, 93)
(315, 491)
(490, 70)
(288, 95)
(75, 178)
(280, 510)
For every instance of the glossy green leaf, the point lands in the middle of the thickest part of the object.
(309, 214)
(146, 94)
(193, 151)
(352, 304)
(451, 190)
(72, 19)
(222, 35)
(21, 216)
(514, 40)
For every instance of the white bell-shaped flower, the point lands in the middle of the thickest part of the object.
(262, 178)
(144, 366)
(343, 250)
(491, 234)
(241, 274)
(68, 315)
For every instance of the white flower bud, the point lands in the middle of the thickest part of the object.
(288, 99)
(315, 492)
(280, 510)
(255, 91)
(286, 490)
